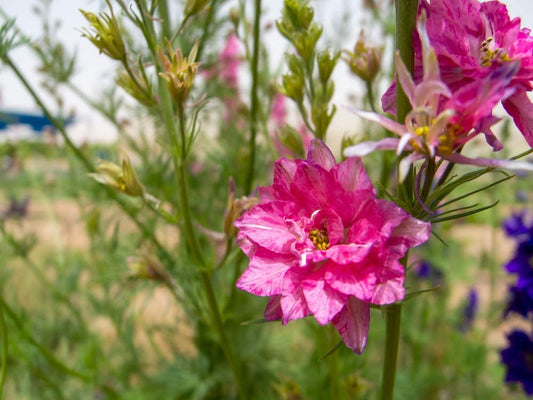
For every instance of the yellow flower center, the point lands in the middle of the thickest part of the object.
(320, 239)
(489, 53)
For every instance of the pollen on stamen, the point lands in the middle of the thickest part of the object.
(319, 238)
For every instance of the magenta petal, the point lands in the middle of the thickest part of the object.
(348, 253)
(294, 306)
(358, 280)
(321, 154)
(323, 301)
(273, 309)
(266, 221)
(410, 233)
(352, 176)
(389, 291)
(265, 273)
(352, 324)
(521, 109)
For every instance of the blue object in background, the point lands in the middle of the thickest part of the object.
(37, 122)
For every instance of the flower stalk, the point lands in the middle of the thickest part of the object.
(406, 11)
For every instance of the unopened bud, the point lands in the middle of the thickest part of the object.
(235, 208)
(121, 178)
(326, 61)
(291, 139)
(179, 71)
(145, 265)
(365, 61)
(193, 7)
(137, 87)
(104, 33)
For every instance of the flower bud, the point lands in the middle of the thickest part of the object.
(104, 33)
(235, 208)
(365, 61)
(291, 139)
(139, 88)
(326, 61)
(145, 265)
(193, 7)
(120, 178)
(179, 71)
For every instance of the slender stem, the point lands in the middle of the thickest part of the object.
(207, 25)
(392, 316)
(406, 11)
(3, 332)
(47, 353)
(405, 25)
(147, 232)
(370, 95)
(254, 99)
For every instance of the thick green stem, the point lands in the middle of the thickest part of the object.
(392, 317)
(3, 332)
(254, 99)
(405, 25)
(406, 11)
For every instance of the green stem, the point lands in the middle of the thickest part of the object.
(47, 353)
(370, 95)
(406, 11)
(147, 232)
(392, 317)
(254, 99)
(3, 332)
(405, 25)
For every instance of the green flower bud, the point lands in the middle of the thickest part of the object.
(120, 178)
(179, 71)
(193, 7)
(104, 32)
(326, 61)
(139, 88)
(365, 61)
(291, 139)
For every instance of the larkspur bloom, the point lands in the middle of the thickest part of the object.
(441, 122)
(518, 359)
(521, 294)
(320, 243)
(469, 311)
(472, 39)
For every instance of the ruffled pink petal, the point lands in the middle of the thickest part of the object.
(347, 253)
(410, 233)
(266, 222)
(265, 273)
(294, 306)
(323, 301)
(389, 291)
(521, 109)
(273, 309)
(357, 280)
(352, 324)
(352, 176)
(321, 154)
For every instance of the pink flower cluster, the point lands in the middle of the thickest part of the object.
(476, 44)
(320, 243)
(443, 118)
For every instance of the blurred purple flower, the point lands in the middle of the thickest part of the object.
(470, 310)
(518, 358)
(427, 271)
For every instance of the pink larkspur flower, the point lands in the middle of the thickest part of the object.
(441, 122)
(230, 60)
(472, 39)
(320, 243)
